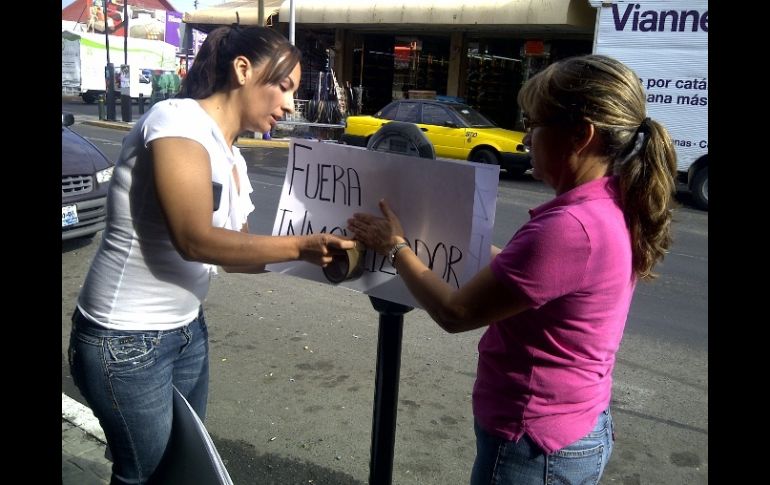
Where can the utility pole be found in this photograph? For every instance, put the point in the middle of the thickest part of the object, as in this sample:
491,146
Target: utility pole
109,71
291,22
125,32
125,71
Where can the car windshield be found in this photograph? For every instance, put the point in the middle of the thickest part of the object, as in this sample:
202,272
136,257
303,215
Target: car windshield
473,118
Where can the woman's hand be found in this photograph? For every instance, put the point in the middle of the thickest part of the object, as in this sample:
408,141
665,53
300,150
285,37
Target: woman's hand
320,248
377,233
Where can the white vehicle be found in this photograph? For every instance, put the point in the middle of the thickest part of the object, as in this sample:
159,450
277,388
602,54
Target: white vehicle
84,62
666,43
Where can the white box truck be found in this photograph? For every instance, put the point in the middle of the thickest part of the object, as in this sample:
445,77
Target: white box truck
84,59
666,43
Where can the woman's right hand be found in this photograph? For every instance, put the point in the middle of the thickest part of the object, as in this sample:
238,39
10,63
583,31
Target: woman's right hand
377,233
320,248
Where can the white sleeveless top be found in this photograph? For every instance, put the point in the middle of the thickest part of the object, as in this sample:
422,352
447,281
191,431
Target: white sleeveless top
138,280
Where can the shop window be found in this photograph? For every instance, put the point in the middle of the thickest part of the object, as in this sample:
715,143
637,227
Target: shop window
420,64
494,77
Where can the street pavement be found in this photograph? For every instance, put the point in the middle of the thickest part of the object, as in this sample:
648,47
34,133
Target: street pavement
681,439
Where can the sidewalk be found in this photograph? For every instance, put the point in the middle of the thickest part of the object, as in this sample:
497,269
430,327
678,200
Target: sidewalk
82,446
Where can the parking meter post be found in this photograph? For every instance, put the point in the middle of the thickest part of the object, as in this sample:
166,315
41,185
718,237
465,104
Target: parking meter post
407,139
386,389
125,108
141,103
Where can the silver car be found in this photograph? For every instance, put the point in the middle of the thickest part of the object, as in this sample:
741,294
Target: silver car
85,176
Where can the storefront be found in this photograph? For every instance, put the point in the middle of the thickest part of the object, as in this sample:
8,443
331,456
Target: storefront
478,51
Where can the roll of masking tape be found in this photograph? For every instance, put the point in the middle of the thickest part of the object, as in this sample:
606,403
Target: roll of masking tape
345,266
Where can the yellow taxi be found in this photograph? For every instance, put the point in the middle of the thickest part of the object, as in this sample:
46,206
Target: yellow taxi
456,131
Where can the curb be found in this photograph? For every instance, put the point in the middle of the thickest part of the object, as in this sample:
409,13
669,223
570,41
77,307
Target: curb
253,142
82,417
109,124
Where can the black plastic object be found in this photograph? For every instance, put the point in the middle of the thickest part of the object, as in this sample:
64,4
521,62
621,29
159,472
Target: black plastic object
216,188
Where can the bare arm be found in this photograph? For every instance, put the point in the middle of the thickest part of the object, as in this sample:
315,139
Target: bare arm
480,302
252,269
183,182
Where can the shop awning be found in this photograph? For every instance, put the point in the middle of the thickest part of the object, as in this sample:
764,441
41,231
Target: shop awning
245,12
577,14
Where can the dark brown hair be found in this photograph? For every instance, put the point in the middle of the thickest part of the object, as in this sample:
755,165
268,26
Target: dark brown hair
212,72
609,95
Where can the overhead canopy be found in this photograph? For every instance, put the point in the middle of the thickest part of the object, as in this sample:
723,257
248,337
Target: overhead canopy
244,12
567,15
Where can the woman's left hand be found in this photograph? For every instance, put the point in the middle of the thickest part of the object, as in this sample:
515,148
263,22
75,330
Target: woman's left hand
377,233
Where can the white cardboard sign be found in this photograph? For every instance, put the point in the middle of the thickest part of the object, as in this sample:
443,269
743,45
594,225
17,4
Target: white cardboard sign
446,207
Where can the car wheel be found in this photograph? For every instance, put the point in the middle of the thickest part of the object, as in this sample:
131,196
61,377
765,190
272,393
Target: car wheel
485,156
700,188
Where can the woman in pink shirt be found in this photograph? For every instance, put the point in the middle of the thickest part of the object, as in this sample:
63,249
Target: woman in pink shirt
556,298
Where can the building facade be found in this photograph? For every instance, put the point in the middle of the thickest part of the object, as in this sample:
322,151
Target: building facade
477,51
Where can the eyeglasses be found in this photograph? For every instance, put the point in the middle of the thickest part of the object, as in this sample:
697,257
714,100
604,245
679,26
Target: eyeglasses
530,124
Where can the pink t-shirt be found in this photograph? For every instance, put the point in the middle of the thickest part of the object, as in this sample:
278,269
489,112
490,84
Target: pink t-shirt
547,371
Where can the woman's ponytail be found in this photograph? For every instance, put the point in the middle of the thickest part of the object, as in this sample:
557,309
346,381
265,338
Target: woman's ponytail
647,186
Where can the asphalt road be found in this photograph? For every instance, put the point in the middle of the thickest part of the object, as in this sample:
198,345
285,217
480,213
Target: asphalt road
293,363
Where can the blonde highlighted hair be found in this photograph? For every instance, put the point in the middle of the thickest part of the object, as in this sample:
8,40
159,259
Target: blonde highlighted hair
608,94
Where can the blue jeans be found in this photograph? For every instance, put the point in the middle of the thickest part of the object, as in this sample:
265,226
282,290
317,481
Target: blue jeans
127,376
503,462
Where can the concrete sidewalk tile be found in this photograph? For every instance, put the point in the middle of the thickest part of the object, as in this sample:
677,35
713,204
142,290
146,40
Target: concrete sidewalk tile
82,458
82,417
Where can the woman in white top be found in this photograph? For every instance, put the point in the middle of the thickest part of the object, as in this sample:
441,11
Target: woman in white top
177,207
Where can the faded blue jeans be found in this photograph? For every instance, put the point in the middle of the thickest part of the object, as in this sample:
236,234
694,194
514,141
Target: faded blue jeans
503,462
127,376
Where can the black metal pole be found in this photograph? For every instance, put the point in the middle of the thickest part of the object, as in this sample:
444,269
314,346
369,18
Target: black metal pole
125,32
125,95
386,389
100,104
109,70
106,31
